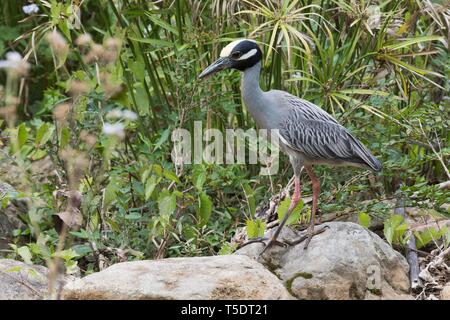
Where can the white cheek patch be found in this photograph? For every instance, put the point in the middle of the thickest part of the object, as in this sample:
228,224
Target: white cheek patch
249,54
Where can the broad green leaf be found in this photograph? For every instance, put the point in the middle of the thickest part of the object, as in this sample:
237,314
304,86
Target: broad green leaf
67,255
55,11
227,248
395,228
114,225
157,169
111,192
71,267
364,219
22,135
25,253
150,185
145,175
167,203
255,228
204,208
137,67
428,235
164,137
388,233
171,176
43,133
199,178
64,137
141,100
38,154
80,234
295,214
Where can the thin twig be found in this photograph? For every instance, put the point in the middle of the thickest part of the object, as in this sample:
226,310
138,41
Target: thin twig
411,254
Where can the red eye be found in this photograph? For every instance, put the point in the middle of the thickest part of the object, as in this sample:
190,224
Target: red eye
236,55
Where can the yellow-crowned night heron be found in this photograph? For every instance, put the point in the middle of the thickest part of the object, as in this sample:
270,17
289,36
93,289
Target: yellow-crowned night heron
308,134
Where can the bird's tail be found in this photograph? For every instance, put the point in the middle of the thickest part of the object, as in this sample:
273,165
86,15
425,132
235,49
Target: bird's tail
365,155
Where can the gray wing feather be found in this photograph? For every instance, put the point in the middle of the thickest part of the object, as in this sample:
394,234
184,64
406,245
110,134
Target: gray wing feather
320,140
315,133
305,110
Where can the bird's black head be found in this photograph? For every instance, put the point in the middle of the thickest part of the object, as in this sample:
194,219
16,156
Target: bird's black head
239,54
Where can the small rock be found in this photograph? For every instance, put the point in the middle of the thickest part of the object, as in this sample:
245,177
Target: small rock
346,261
20,281
217,277
445,293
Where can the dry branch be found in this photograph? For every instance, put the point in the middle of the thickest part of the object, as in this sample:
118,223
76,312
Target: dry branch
411,249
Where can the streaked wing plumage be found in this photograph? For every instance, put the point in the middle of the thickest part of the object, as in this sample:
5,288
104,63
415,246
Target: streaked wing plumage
318,136
305,110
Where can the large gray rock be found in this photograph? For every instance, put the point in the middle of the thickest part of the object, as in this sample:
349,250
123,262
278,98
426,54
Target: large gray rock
19,281
217,277
346,261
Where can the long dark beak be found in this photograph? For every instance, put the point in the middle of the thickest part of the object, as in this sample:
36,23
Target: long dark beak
218,65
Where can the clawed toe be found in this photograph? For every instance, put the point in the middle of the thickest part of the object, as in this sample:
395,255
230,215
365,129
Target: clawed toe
254,240
263,240
310,233
273,242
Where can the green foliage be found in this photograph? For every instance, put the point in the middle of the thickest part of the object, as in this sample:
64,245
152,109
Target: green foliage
395,229
364,219
430,234
25,253
295,214
381,68
226,248
204,209
255,228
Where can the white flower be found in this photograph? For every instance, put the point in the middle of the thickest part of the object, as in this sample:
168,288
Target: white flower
119,114
30,9
57,42
114,114
84,39
129,115
14,62
114,129
14,57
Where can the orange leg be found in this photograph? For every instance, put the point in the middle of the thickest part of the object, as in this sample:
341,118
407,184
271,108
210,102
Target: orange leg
295,199
316,191
273,240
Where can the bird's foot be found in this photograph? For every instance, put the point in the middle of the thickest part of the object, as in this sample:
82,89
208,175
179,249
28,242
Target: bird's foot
311,232
266,241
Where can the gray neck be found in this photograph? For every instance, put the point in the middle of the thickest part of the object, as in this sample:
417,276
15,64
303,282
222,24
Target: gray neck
250,81
254,98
